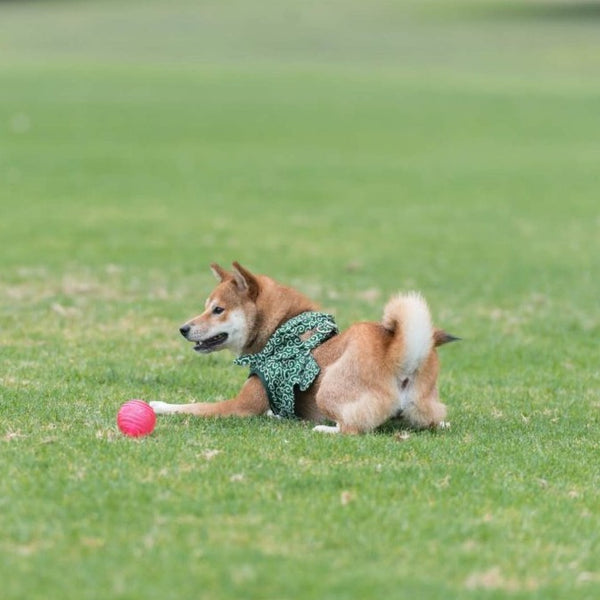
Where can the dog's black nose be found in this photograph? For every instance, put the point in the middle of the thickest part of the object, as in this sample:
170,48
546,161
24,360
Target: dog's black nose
185,329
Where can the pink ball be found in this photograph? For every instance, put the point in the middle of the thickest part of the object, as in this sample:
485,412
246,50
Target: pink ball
136,418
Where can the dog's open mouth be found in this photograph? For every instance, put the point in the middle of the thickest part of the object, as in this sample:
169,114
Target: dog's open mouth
211,343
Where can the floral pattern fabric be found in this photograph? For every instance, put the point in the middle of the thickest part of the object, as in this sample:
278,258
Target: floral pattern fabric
286,360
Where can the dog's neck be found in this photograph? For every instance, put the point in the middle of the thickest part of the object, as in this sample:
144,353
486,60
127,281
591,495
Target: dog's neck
276,304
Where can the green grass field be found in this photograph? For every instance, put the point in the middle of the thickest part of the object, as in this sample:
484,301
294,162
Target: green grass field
352,149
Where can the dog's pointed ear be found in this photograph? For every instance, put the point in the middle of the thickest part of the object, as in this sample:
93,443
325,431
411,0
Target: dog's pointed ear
245,281
440,337
219,272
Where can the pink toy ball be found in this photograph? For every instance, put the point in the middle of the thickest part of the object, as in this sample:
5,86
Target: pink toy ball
136,418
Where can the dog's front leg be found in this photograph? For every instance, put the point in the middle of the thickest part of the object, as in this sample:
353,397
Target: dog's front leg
251,401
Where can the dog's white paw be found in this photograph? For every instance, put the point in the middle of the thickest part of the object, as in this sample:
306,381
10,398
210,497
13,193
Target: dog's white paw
444,425
272,415
327,428
161,408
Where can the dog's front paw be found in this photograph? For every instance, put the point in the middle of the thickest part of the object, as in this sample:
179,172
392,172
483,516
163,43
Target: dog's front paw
160,408
272,415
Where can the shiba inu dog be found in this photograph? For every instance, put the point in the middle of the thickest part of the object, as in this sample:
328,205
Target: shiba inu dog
357,379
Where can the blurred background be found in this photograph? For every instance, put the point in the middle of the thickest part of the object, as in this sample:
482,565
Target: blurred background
352,148
440,144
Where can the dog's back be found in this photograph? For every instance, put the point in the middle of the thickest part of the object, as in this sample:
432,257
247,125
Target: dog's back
375,371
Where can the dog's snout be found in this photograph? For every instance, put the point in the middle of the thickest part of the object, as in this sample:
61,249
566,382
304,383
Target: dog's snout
184,330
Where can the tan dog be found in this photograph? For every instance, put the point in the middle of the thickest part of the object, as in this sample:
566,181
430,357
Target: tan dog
370,373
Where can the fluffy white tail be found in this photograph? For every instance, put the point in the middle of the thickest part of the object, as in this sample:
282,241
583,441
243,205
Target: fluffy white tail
407,316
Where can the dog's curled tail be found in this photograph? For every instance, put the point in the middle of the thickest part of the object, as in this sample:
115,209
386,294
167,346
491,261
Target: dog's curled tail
407,316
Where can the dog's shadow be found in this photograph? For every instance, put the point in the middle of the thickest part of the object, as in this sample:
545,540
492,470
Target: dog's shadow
401,429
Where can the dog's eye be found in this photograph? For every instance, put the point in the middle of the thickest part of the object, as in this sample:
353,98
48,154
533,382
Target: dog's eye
217,310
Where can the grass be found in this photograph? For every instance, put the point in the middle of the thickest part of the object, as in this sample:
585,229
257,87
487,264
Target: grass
351,151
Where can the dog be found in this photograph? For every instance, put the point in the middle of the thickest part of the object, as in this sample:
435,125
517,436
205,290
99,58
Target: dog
361,378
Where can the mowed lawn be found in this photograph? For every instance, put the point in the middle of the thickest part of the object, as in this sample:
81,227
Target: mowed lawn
352,150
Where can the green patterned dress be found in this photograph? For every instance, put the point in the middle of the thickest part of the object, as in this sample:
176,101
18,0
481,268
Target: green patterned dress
286,360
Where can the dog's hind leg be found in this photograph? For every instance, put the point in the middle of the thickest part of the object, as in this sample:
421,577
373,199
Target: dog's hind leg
354,403
339,428
251,401
327,428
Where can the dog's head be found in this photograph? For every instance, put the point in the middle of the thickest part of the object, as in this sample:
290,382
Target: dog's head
229,315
